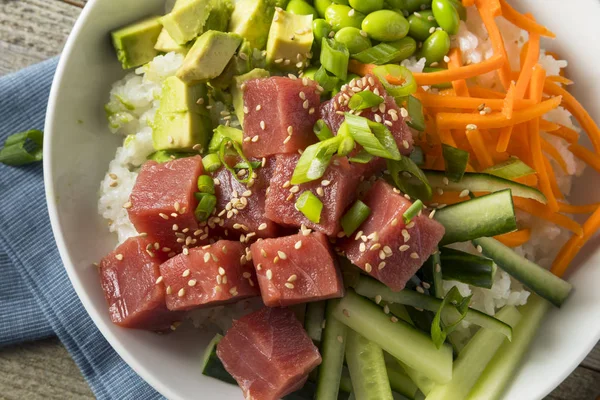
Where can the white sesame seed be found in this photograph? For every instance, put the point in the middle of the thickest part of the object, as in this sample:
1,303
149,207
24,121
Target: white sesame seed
410,225
420,289
119,257
394,319
405,144
381,265
386,309
282,255
269,274
431,214
325,183
181,292
163,216
464,193
262,125
368,267
479,249
298,244
404,247
206,257
362,247
186,273
169,290
306,104
414,255
378,299
471,127
446,59
159,280
320,191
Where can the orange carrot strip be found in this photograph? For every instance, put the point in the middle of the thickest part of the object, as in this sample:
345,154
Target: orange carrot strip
495,120
574,244
446,137
553,182
548,126
529,180
531,58
515,239
467,103
468,3
590,158
578,209
523,22
544,212
489,9
580,114
481,153
560,79
478,91
455,62
552,152
509,102
568,134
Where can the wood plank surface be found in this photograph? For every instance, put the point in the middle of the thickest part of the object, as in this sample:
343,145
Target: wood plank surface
32,31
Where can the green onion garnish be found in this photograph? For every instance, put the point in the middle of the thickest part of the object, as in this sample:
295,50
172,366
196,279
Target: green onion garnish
206,205
439,330
206,184
245,165
322,130
417,155
363,100
412,211
221,133
314,161
383,53
335,57
415,112
23,148
399,92
354,217
326,81
310,205
211,162
512,168
374,137
456,161
229,143
467,268
362,157
346,141
409,178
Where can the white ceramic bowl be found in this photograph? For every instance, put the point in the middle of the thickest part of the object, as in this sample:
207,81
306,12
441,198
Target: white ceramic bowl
76,157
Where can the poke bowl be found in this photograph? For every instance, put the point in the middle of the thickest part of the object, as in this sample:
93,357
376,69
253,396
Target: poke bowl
493,177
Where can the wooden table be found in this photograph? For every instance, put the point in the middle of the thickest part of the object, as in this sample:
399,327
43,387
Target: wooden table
32,31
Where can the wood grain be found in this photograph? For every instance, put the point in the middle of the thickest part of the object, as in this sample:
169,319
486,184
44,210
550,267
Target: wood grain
32,31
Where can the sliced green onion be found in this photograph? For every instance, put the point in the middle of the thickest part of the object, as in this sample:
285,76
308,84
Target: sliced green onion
206,205
412,211
23,148
206,184
409,178
228,143
445,85
456,161
163,156
365,99
467,268
386,52
511,169
211,162
362,157
335,57
374,137
346,142
399,92
310,205
415,112
314,160
322,130
354,217
439,330
245,165
326,81
221,133
417,156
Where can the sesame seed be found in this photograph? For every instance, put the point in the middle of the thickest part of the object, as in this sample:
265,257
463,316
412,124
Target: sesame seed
206,257
216,181
269,274
163,216
411,224
420,289
386,309
404,247
446,59
438,268
262,125
362,247
414,255
394,319
305,105
381,265
405,144
479,249
127,205
464,193
159,280
181,292
368,267
471,127
325,183
282,255
119,257
298,244
186,273
254,139
378,299
339,338
431,214
376,246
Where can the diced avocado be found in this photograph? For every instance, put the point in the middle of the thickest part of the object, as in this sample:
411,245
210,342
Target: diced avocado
135,43
181,122
208,57
166,44
290,40
238,93
218,19
187,19
251,20
242,62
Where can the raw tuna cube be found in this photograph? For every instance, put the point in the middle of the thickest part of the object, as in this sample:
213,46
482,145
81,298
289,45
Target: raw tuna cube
208,276
241,207
268,353
163,203
296,269
281,115
130,280
384,246
336,189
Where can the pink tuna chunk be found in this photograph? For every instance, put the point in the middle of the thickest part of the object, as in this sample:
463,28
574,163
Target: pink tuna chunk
338,186
393,251
268,353
163,199
208,276
281,115
296,269
129,275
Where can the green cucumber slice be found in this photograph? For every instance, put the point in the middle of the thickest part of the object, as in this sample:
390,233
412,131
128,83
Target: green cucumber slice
333,345
399,379
212,365
512,168
313,320
467,268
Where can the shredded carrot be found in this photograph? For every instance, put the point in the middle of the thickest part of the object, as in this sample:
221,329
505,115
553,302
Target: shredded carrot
515,239
465,72
578,209
447,198
544,212
480,91
455,62
531,58
481,153
488,10
553,182
523,22
468,3
509,102
495,120
467,103
560,79
548,126
568,134
590,158
552,152
580,114
574,244
529,180
446,137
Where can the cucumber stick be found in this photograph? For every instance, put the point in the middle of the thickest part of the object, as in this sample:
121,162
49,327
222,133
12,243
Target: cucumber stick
367,369
409,345
467,268
399,379
538,279
333,345
473,359
313,320
212,365
480,182
484,216
499,372
370,288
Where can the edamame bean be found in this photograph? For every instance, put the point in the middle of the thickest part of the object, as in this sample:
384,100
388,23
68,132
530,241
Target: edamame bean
446,15
321,6
385,25
300,7
366,6
462,10
407,47
416,5
343,2
340,16
321,29
422,24
353,39
435,47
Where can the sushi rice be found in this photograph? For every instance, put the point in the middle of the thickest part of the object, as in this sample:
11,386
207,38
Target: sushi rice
136,99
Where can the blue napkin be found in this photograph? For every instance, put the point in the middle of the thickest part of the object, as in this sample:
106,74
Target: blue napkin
36,296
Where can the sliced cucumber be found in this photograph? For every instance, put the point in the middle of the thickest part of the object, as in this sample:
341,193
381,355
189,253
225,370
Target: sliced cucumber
480,182
399,379
333,345
409,345
500,370
313,320
432,272
536,278
512,168
467,268
367,369
371,288
473,359
484,216
212,365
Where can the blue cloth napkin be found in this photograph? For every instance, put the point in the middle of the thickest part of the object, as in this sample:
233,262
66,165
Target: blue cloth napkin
36,296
